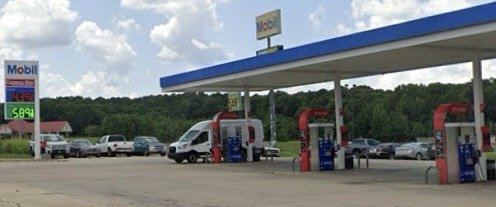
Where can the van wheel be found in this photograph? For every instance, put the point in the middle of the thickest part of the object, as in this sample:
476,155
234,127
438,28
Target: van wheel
418,156
179,161
192,157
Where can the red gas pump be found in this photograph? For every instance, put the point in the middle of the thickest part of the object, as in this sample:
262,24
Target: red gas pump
486,139
344,136
216,142
438,124
442,148
305,115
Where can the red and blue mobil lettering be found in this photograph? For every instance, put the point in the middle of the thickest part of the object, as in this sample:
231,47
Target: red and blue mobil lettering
267,24
22,69
19,94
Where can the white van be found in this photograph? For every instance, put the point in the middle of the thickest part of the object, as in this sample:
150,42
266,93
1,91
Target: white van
197,141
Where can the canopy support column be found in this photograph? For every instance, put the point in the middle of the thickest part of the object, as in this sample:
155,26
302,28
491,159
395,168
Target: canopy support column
478,113
272,109
339,121
249,145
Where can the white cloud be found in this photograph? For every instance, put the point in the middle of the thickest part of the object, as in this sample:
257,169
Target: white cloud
317,17
36,23
128,24
189,22
92,84
105,46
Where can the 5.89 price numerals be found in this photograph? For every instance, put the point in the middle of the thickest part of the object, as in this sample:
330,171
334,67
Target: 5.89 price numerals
23,112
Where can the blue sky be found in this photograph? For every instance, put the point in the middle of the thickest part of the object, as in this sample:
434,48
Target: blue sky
113,48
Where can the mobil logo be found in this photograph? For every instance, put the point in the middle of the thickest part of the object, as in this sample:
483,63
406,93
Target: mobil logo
267,24
14,69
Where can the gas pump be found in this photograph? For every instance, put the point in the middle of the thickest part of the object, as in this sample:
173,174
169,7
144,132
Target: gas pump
455,145
317,149
216,141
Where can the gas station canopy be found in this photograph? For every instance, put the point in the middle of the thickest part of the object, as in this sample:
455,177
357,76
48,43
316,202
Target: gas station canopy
455,37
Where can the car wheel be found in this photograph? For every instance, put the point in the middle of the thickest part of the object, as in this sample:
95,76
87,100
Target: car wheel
391,156
78,154
97,155
418,156
146,153
356,153
31,152
179,161
162,154
128,154
192,157
52,156
66,156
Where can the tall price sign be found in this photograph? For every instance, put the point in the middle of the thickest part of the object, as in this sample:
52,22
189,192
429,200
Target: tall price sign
21,79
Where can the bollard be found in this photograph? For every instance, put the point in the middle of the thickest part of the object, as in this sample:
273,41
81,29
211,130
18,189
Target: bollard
366,160
427,174
358,161
294,163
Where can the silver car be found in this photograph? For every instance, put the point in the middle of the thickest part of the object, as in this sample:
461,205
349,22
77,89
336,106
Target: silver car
418,151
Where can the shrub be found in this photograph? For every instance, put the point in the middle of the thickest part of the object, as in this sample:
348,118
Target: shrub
14,146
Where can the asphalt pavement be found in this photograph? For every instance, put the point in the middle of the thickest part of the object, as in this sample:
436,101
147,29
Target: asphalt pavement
157,181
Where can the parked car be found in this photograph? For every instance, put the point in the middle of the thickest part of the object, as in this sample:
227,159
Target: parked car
111,145
418,151
271,151
384,150
52,144
144,145
83,148
360,146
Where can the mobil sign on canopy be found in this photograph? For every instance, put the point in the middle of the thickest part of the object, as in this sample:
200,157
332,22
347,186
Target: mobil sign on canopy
269,24
21,78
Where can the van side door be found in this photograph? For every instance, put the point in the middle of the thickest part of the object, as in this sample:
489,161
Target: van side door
202,142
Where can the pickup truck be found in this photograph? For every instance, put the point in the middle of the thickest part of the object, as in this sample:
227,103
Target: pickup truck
52,144
361,146
111,145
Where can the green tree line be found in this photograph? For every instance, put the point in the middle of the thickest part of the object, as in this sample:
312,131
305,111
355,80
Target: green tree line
388,115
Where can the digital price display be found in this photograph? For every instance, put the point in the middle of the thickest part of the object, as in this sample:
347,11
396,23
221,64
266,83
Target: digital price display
17,94
20,111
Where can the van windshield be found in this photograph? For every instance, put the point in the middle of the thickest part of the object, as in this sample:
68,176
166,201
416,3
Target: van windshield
188,136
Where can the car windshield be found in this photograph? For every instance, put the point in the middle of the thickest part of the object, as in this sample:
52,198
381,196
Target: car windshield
373,142
410,145
53,138
188,136
116,138
85,142
151,140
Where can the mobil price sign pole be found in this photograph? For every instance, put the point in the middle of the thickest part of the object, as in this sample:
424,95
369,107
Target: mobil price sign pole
22,95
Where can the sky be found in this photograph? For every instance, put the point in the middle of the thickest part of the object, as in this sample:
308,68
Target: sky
121,48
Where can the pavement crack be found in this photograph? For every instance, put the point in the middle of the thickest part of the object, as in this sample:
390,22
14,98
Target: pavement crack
10,202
